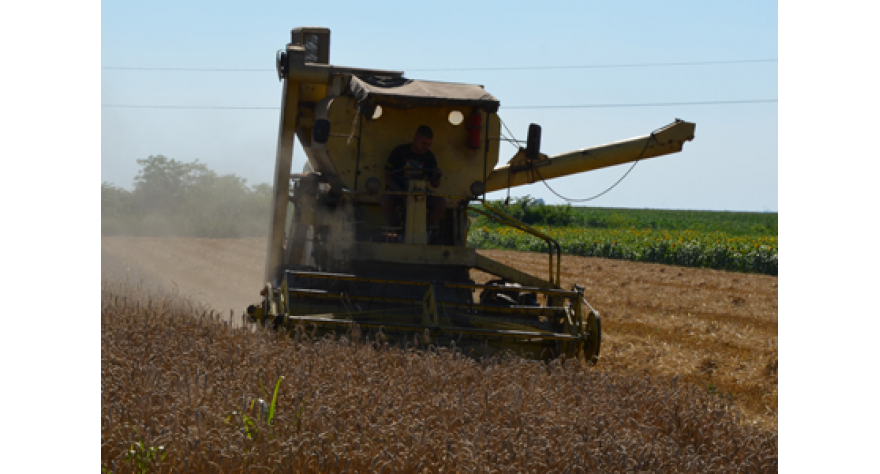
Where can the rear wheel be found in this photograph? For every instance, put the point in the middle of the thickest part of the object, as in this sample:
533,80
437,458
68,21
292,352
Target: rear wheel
594,338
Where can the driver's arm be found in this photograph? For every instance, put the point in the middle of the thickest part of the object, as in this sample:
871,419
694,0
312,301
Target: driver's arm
390,181
438,173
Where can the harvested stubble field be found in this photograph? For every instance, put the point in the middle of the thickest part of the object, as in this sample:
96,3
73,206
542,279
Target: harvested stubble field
686,380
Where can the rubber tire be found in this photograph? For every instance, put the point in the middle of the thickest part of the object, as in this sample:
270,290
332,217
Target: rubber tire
594,343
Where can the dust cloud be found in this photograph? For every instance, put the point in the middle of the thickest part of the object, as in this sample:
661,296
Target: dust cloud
223,274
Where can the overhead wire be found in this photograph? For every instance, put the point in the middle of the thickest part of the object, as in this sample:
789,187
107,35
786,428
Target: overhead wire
512,140
514,107
184,107
183,69
463,69
597,66
644,104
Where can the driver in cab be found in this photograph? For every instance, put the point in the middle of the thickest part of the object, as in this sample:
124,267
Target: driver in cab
412,160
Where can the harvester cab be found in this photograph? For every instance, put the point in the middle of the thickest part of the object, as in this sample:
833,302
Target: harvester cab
333,260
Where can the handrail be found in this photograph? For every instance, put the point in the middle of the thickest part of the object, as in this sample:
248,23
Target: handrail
505,219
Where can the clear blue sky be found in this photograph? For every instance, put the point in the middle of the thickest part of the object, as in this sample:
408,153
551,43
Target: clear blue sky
731,165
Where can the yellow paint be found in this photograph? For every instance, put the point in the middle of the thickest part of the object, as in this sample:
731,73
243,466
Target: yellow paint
461,165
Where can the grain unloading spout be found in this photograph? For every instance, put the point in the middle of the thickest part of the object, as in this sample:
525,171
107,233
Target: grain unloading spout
520,170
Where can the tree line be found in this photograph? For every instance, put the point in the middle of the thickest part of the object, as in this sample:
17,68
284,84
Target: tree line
176,198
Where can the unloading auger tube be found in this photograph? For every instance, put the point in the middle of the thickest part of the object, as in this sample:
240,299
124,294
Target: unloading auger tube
333,263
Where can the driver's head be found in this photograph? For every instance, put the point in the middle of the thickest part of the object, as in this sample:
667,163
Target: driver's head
422,140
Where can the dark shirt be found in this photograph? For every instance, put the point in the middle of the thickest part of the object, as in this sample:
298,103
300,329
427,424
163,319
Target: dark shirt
403,158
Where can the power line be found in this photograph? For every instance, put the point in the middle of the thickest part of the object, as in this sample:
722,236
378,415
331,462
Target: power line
521,107
183,69
462,69
655,104
602,66
186,107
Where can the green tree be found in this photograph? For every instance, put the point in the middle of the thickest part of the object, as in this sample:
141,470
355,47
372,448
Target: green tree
163,183
172,197
530,211
115,200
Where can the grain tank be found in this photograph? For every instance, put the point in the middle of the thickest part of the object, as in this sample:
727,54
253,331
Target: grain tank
334,262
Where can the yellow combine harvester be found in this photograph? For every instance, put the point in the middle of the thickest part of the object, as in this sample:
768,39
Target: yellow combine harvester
337,257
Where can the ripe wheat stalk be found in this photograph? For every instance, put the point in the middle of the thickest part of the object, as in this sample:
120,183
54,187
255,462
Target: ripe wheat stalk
186,390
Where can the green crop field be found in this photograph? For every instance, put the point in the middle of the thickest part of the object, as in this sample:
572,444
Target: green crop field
734,241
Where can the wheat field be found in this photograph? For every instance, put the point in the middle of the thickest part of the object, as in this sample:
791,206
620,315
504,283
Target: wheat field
686,380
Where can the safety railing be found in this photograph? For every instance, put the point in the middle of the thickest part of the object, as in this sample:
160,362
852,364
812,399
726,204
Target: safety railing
510,221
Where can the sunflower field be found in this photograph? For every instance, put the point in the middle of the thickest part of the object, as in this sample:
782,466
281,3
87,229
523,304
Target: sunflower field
690,248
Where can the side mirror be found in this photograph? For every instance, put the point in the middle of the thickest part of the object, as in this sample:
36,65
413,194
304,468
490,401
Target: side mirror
281,64
533,144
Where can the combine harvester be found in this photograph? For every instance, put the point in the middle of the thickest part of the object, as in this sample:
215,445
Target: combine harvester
333,261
